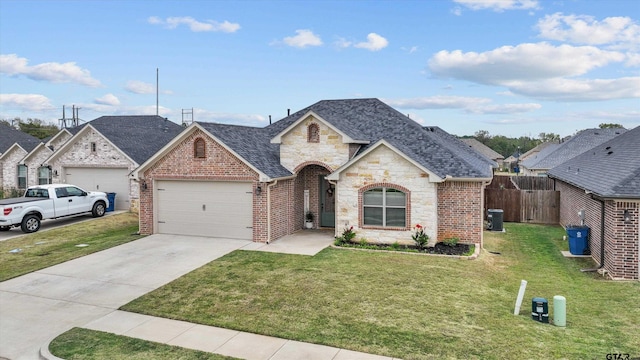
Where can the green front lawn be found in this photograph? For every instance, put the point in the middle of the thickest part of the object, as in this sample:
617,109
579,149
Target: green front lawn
97,345
414,307
46,248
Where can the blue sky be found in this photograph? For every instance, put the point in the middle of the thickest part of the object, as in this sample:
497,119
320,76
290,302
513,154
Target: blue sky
511,67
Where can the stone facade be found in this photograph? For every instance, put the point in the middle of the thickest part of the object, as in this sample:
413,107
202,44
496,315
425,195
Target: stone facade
80,154
295,149
621,239
10,162
34,162
383,167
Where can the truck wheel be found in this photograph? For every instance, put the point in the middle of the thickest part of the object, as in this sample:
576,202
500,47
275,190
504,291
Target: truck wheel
98,209
30,224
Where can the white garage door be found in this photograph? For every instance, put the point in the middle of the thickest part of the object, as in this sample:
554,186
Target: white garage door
102,179
205,208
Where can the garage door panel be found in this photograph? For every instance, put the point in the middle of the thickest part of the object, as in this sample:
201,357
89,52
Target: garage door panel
216,209
102,179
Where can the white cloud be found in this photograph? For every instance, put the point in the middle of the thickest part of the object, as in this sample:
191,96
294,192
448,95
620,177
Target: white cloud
410,50
505,108
229,118
498,5
52,71
580,90
302,39
343,43
29,102
374,42
473,105
525,62
438,102
139,87
108,99
621,32
633,59
195,25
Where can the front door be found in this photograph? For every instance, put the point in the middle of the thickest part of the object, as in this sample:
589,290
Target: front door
327,198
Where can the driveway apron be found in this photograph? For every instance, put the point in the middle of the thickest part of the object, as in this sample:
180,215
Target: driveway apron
43,304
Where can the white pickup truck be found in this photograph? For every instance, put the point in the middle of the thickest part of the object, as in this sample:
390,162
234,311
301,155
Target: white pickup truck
49,202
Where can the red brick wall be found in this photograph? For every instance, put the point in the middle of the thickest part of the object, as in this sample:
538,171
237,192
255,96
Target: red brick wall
573,200
218,165
308,179
282,209
620,238
460,211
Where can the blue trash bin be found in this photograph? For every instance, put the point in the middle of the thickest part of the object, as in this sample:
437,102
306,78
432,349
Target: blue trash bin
578,240
112,201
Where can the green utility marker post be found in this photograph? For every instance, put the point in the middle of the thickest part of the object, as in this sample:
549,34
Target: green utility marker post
559,311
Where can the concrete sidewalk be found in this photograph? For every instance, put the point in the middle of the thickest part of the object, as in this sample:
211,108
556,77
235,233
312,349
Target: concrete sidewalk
215,340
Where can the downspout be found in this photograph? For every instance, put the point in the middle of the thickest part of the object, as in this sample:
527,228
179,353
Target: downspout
601,236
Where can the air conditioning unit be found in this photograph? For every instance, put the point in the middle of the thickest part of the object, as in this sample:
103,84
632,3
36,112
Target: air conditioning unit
494,219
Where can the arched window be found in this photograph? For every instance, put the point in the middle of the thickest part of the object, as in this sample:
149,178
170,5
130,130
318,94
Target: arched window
383,206
313,133
199,149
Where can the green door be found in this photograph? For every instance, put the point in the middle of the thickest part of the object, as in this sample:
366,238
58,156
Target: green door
327,198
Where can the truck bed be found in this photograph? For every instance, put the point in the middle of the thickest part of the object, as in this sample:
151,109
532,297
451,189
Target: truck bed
20,200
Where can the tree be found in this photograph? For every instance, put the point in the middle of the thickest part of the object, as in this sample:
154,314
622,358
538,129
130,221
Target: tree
546,137
482,136
610,126
37,128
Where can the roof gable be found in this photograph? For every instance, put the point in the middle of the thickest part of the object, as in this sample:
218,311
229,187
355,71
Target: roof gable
483,149
277,139
10,136
611,169
371,120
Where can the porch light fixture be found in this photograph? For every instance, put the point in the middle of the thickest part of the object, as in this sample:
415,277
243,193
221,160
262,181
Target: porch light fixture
258,190
627,216
330,190
144,185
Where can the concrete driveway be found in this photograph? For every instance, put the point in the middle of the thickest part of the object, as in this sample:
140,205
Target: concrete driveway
41,305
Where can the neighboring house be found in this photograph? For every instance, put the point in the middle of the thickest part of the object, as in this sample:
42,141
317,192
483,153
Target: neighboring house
14,145
38,173
102,153
513,160
553,156
604,182
486,151
350,163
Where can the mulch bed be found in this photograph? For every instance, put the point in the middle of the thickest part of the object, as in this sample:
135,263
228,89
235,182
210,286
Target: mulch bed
440,248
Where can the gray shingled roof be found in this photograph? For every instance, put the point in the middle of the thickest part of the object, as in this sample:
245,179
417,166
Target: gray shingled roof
252,144
584,140
610,170
138,136
10,136
363,120
483,149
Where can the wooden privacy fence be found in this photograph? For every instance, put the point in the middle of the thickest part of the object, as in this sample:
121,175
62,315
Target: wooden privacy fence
528,199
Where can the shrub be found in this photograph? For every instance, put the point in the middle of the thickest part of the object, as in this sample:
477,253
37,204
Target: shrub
347,235
453,241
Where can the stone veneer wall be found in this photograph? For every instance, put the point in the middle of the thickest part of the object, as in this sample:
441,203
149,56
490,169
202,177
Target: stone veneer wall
218,165
384,167
621,240
79,155
295,150
460,211
10,168
33,164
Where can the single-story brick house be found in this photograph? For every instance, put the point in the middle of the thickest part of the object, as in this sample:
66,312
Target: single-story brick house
14,145
604,182
485,150
352,162
102,153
